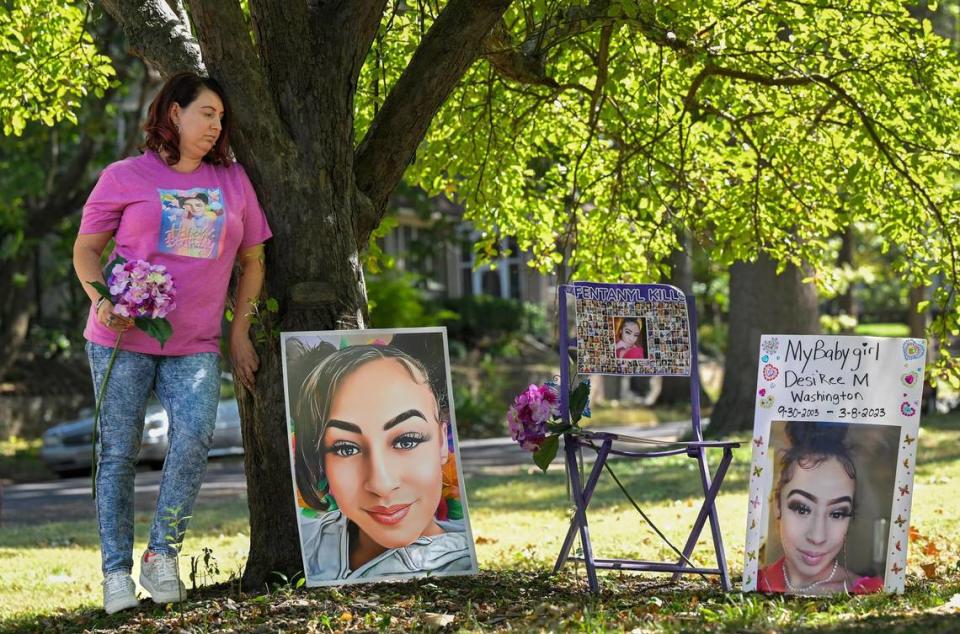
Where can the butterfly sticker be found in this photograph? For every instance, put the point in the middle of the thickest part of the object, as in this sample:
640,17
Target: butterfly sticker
898,546
758,442
896,568
748,581
755,502
909,440
752,555
900,521
757,470
905,489
753,524
906,463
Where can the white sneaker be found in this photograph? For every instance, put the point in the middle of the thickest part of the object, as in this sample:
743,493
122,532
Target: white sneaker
158,576
119,593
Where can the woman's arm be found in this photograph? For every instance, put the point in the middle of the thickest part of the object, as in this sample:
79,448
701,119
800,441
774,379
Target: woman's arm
86,261
244,357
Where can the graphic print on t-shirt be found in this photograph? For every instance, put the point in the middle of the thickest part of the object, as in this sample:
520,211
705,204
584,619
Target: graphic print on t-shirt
192,222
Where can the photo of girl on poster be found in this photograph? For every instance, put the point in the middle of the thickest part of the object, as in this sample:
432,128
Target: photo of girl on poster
629,338
829,508
374,460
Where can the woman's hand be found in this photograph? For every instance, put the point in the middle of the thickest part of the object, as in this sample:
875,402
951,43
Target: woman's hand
116,323
244,357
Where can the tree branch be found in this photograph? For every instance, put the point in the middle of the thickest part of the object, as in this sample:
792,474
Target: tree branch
446,51
352,23
157,35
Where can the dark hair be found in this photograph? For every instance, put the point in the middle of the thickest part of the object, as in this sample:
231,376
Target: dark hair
183,89
311,403
623,323
812,444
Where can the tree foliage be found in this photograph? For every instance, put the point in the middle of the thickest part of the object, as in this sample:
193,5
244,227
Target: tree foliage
596,129
48,62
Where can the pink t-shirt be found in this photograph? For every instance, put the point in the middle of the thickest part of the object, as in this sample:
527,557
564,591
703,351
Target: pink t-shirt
194,224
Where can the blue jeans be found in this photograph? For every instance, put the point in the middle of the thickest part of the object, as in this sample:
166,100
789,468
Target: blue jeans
189,389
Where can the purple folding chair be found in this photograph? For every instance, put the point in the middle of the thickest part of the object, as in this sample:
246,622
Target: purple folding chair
664,323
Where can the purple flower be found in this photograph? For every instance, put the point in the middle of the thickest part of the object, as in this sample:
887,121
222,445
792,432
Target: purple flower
529,414
140,289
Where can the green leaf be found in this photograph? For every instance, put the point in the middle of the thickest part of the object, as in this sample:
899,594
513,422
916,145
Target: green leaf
102,289
578,401
272,305
158,328
547,452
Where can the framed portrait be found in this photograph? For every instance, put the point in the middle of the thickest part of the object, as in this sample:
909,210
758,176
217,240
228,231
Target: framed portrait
631,329
374,456
834,445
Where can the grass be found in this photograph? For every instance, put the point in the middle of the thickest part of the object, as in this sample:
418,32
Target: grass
49,574
883,330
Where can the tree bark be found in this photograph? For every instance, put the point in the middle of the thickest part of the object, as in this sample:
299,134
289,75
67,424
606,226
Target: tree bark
761,302
677,389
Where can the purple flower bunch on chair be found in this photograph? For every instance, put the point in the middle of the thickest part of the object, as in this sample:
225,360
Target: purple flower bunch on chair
531,411
535,419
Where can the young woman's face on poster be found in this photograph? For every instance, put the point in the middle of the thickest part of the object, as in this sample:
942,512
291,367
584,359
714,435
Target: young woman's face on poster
816,506
630,332
384,453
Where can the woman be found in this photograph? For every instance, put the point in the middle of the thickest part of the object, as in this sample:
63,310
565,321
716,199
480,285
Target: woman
815,499
186,150
628,334
371,452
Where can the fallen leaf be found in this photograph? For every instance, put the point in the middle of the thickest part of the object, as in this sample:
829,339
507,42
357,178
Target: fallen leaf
486,540
432,619
931,549
346,617
930,570
915,534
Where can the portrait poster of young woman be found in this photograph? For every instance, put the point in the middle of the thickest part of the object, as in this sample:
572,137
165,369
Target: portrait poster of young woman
829,508
374,456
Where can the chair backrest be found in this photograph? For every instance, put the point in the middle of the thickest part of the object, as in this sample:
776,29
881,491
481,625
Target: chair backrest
630,330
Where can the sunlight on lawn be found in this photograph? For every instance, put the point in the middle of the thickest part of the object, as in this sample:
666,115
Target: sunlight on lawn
518,520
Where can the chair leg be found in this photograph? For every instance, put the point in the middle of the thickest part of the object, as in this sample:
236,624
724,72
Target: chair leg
581,498
708,511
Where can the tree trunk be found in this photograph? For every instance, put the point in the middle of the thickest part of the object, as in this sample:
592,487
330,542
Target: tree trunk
677,389
16,306
313,270
846,301
761,302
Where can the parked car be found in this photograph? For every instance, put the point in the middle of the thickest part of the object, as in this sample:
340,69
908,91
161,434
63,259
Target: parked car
66,447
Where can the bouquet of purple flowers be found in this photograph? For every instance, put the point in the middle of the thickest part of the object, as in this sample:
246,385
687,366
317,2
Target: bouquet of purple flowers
144,292
535,421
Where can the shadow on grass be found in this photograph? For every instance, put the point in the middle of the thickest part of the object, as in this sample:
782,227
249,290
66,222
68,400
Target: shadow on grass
526,601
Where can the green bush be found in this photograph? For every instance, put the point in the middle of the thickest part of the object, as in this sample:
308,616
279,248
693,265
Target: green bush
396,300
486,321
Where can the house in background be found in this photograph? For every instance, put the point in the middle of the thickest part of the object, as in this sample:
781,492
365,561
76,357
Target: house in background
446,261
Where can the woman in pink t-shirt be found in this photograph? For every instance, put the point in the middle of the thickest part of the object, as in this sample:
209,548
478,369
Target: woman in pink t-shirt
185,204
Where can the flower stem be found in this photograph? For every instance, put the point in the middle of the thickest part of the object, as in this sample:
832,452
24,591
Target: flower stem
96,418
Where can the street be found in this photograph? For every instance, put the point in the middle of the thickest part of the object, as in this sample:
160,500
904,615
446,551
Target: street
69,499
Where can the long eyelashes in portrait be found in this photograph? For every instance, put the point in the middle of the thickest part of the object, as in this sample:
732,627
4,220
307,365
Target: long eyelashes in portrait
405,441
801,508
